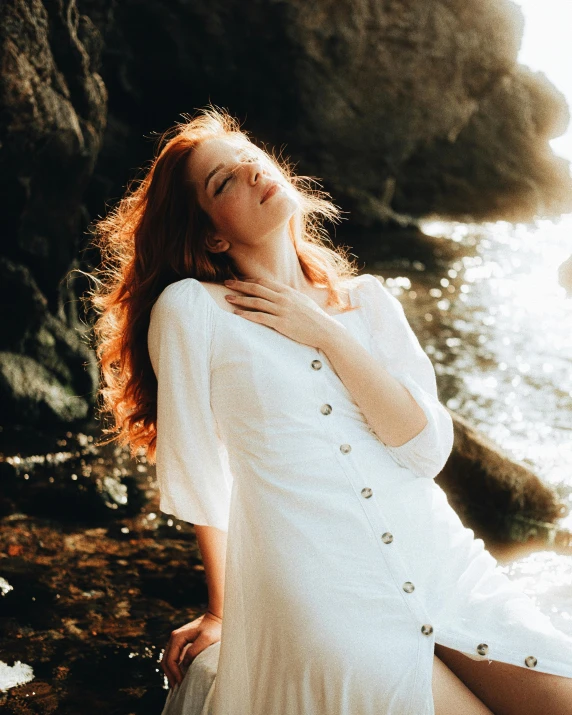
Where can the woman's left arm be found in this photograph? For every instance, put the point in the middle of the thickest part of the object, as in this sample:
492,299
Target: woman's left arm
394,386
387,405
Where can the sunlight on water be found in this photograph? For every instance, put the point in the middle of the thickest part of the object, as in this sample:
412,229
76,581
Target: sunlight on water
511,356
17,674
5,587
515,353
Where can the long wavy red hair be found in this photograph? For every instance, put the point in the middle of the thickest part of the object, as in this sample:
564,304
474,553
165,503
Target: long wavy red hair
154,236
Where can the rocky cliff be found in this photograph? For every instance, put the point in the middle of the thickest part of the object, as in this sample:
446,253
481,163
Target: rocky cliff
402,107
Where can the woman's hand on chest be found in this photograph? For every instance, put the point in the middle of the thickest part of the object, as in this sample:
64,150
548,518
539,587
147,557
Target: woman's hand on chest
285,309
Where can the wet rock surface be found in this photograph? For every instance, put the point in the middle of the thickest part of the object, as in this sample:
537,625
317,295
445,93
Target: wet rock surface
501,499
90,594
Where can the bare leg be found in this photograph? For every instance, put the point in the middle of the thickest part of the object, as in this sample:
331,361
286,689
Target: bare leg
509,689
451,696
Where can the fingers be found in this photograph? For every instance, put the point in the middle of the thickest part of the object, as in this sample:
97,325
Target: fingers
260,304
202,642
187,658
258,287
185,644
172,656
171,670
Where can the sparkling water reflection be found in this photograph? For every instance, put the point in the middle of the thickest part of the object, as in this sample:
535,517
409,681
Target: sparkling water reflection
508,353
13,675
514,354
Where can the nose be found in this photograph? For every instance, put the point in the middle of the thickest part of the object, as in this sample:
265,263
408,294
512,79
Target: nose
254,171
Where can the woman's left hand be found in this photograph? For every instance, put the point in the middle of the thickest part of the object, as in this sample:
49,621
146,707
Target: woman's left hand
282,308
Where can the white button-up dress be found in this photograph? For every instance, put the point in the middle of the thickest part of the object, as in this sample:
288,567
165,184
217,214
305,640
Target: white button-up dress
345,562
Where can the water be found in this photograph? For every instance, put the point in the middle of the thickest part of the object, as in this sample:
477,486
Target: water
514,357
14,675
497,327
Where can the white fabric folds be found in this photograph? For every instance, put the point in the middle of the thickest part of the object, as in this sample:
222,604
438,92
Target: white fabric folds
345,562
194,477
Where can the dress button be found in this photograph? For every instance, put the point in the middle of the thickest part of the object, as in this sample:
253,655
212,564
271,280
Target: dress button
426,629
482,649
366,492
316,364
408,587
530,661
387,538
345,448
325,409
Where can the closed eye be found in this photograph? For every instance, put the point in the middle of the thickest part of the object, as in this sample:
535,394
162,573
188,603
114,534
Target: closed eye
248,159
223,184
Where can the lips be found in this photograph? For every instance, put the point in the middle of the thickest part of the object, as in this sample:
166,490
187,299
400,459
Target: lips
270,191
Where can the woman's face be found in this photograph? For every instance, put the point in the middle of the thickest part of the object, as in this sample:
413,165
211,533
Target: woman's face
232,178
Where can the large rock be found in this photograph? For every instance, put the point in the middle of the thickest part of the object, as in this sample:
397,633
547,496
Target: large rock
51,124
405,108
47,371
496,495
414,106
500,166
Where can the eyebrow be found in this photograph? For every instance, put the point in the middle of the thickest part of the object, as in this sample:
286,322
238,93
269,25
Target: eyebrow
242,151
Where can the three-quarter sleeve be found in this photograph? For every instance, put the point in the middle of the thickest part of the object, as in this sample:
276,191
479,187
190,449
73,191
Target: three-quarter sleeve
195,481
396,346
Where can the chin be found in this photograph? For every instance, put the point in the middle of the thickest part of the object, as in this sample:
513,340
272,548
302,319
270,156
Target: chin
288,203
280,218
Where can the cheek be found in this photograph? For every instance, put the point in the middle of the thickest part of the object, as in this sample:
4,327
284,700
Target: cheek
233,212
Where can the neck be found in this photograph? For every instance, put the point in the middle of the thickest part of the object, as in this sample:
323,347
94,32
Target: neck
274,258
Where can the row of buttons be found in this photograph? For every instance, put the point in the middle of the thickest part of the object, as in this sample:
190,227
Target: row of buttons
367,492
482,649
387,538
327,409
530,661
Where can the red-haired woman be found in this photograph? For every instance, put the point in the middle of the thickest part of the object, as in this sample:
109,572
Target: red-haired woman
288,405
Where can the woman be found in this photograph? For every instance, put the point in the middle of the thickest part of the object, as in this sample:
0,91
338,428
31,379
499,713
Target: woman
289,405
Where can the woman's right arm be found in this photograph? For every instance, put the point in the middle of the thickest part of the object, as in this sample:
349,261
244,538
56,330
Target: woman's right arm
206,629
212,544
193,472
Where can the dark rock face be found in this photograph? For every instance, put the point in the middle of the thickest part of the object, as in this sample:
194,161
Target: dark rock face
52,120
402,107
43,361
406,105
500,166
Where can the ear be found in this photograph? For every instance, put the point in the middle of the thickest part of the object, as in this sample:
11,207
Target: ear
215,244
